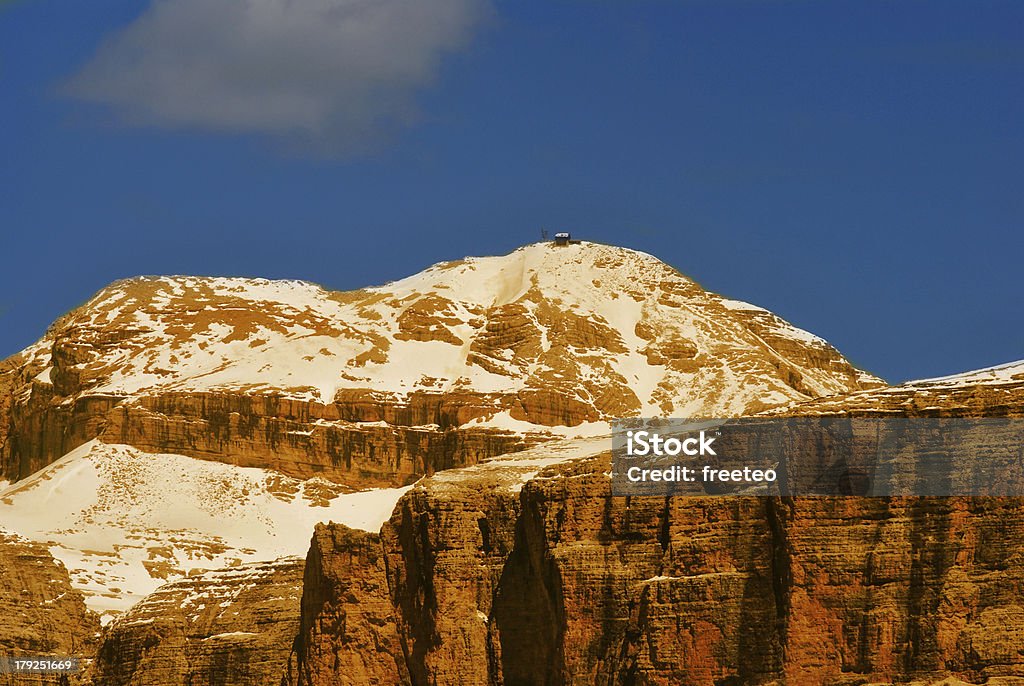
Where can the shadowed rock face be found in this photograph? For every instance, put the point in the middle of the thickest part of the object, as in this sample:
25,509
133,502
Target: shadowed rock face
230,626
500,576
40,614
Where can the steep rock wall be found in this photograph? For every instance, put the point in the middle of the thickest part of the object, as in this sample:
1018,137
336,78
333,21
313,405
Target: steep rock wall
573,586
348,633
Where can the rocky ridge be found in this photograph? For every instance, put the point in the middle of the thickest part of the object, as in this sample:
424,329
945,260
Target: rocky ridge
990,392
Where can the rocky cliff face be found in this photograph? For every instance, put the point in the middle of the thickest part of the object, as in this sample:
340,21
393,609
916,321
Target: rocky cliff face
364,440
524,570
229,626
40,613
349,633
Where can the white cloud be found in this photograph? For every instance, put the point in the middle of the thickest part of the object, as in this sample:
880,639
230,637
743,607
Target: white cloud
331,72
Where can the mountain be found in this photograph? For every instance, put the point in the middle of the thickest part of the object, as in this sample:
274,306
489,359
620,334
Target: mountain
173,444
173,424
546,336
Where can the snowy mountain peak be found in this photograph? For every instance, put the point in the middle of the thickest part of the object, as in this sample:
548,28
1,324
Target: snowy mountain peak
561,334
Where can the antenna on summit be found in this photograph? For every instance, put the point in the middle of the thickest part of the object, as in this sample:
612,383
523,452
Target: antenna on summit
543,234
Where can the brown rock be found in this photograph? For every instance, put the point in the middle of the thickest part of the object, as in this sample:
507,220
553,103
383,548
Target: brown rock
40,614
446,549
228,626
429,319
344,441
348,633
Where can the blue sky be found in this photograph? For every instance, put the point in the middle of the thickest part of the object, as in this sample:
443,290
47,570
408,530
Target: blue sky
854,166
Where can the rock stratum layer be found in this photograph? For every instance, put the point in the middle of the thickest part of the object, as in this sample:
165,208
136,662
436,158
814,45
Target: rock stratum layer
525,570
